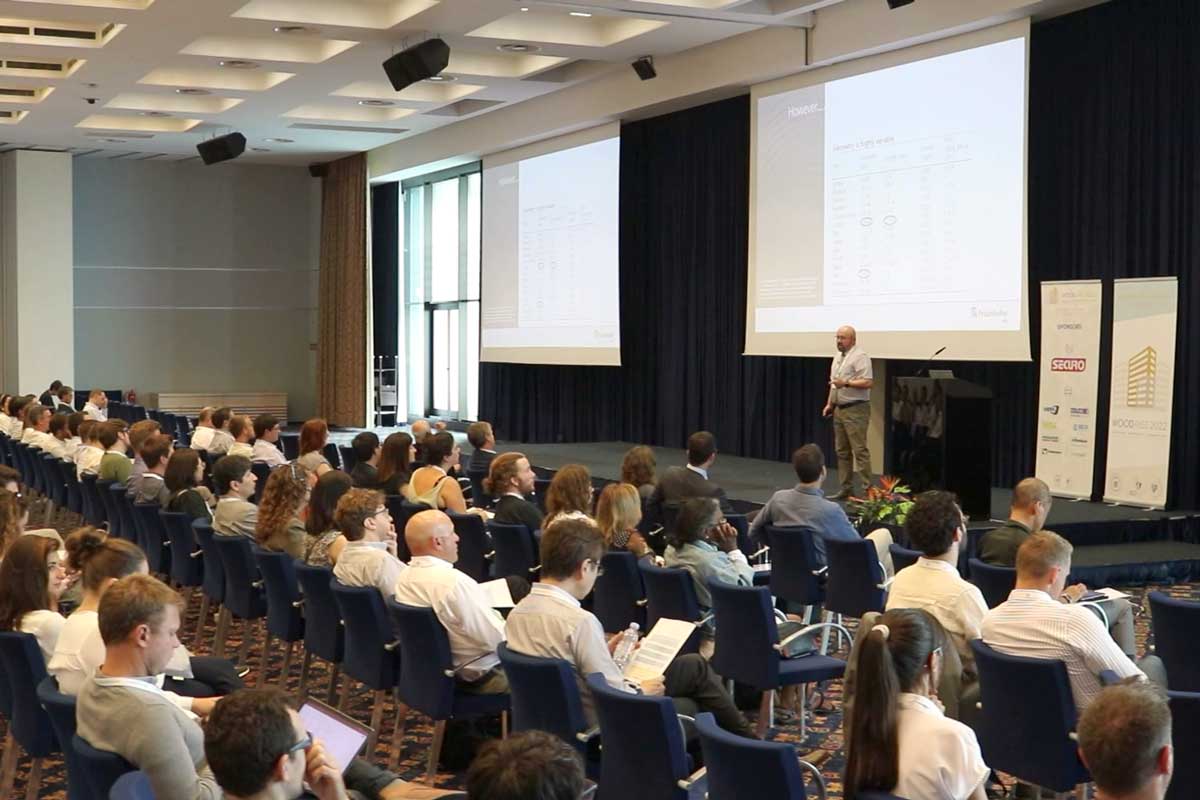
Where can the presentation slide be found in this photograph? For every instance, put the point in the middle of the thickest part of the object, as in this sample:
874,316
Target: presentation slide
894,201
550,252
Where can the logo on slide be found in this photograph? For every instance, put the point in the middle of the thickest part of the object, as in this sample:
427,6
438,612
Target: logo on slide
1051,409
1139,386
1068,365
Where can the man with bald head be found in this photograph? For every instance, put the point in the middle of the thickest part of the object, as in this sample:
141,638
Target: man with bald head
474,628
849,403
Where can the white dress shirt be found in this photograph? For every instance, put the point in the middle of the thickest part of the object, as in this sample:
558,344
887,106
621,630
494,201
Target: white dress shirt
14,428
267,453
45,625
241,449
365,563
852,365
474,628
701,471
71,447
48,444
936,587
549,623
5,423
202,437
87,460
220,443
939,758
29,435
1033,624
94,412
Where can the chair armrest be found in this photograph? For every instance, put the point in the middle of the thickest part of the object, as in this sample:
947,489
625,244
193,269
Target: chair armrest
197,554
687,783
535,568
1098,609
166,542
821,571
1073,736
816,773
779,615
490,555
589,734
760,551
1108,677
816,626
703,620
641,603
258,584
298,603
886,583
392,645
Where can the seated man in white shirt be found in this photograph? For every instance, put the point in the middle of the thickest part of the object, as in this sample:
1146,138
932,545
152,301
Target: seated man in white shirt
59,437
37,424
89,453
235,515
1033,623
96,407
936,527
474,628
369,557
266,434
72,443
550,623
1125,741
221,438
242,431
202,435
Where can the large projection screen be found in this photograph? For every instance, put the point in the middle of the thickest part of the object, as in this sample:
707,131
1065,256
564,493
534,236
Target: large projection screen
889,193
550,251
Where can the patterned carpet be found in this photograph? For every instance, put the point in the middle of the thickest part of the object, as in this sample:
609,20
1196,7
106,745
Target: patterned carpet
824,730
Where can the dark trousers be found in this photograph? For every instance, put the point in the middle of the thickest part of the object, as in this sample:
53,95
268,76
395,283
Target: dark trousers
212,677
691,678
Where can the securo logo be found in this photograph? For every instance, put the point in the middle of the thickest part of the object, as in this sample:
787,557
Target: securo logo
1068,365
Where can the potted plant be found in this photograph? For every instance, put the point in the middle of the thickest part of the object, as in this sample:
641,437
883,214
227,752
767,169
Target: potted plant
885,506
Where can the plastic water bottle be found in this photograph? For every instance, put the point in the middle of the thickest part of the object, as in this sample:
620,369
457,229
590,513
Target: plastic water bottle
625,647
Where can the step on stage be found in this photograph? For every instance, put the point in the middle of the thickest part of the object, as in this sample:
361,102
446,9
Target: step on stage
1118,545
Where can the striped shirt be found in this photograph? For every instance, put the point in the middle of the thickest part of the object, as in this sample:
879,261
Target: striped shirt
1033,624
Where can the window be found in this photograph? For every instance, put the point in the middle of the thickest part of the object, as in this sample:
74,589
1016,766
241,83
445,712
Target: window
440,333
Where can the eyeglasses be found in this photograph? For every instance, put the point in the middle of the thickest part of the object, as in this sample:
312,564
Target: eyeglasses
599,568
303,744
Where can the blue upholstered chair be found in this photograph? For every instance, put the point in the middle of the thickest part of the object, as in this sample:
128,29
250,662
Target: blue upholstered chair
903,557
1031,696
94,509
856,581
25,668
796,575
213,586
475,551
109,501
284,619
1185,736
132,786
101,768
670,594
994,582
516,550
427,683
244,595
187,559
61,710
1177,640
745,769
372,650
156,542
324,635
619,597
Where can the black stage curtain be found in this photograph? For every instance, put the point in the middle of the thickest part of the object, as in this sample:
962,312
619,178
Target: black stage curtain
1114,192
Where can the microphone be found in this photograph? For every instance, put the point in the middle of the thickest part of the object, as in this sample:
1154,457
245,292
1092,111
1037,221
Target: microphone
929,361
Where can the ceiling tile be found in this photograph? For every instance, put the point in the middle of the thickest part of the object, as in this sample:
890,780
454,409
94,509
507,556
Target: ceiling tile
237,80
375,14
489,65
563,27
12,65
349,113
424,92
130,5
24,94
120,122
299,49
57,33
173,103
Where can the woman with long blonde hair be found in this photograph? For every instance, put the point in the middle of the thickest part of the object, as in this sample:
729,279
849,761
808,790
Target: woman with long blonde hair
618,512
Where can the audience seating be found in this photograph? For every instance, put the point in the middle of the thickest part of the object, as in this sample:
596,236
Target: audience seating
244,595
475,552
1185,736
24,669
261,471
479,497
372,651
744,769
8,760
291,445
994,583
156,542
284,620
402,511
132,786
427,682
903,557
324,634
108,497
124,509
619,597
1027,724
101,768
747,648
516,550
213,586
61,710
1175,625
671,594
794,574
95,512
856,580
346,454
540,487
187,565
545,697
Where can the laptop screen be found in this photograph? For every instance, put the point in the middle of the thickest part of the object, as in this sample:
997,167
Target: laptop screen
342,736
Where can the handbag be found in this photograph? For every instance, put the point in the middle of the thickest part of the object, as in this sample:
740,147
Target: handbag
793,643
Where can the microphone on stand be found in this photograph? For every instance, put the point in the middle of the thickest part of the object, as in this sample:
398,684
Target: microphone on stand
929,361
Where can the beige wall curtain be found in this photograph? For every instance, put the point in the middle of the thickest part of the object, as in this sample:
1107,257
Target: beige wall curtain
342,339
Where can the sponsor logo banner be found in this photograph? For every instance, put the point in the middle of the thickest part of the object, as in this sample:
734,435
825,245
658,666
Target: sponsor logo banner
1069,385
1143,382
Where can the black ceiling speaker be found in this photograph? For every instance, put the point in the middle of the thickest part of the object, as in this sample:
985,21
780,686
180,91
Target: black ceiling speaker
417,63
894,4
222,148
644,67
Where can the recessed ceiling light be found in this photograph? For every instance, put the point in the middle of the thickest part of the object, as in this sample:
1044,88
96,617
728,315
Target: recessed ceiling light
524,8
190,91
155,114
236,63
279,140
579,13
376,103
518,47
292,29
442,78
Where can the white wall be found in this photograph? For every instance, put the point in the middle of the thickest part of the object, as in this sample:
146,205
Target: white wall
191,278
35,229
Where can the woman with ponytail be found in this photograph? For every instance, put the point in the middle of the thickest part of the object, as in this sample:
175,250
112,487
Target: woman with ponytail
898,738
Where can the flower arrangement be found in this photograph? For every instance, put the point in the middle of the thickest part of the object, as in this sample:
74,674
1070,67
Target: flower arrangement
885,504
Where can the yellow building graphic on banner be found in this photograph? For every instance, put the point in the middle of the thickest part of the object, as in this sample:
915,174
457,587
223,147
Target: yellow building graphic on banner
1143,371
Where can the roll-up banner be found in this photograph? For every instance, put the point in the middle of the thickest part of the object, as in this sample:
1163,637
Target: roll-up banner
1143,382
1068,386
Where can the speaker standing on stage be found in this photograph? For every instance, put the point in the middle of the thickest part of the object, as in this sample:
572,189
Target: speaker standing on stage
850,382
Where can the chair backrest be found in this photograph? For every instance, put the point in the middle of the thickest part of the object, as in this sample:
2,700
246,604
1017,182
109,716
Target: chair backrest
324,635
283,591
132,786
291,445
619,597
109,501
94,508
61,710
101,768
25,668
746,635
644,756
793,562
124,506
74,488
262,471
855,575
187,569
402,511
372,655
154,536
995,583
1177,640
1185,736
903,557
746,769
214,571
425,660
243,599
474,546
479,497
545,695
670,593
349,460
330,451
56,478
540,487
1032,696
514,546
